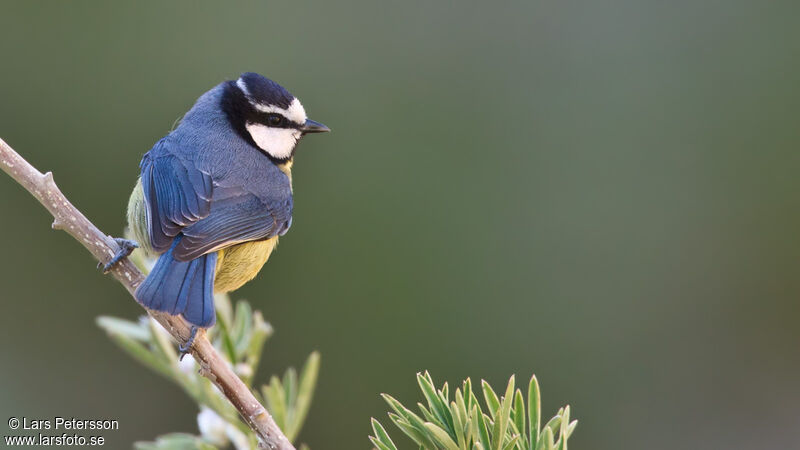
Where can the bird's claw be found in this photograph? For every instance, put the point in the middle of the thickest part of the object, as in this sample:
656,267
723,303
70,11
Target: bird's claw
126,246
184,349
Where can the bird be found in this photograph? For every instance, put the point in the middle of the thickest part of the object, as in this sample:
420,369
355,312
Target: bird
214,195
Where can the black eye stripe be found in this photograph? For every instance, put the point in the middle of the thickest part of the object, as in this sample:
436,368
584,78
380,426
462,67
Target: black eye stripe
273,120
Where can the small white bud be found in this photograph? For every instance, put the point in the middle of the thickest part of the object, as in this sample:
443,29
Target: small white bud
212,427
187,364
243,370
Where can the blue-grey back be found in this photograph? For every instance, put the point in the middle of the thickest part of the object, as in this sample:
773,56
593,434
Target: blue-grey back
206,138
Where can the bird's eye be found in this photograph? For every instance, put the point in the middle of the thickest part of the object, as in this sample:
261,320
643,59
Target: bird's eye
274,120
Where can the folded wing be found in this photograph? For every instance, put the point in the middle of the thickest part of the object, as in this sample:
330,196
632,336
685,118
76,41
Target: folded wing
176,194
182,200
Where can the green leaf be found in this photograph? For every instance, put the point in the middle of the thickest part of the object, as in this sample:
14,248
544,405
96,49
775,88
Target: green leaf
473,426
483,430
503,415
571,427
518,413
115,326
441,436
426,414
227,342
409,422
142,354
444,393
466,390
305,391
406,414
534,411
511,443
290,391
242,328
378,444
262,330
435,403
492,402
554,424
546,440
460,407
382,436
562,438
458,425
420,436
276,400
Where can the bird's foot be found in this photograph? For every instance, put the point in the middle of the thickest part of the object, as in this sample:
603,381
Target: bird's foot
184,349
126,246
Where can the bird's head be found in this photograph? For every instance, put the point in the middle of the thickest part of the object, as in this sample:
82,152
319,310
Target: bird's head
267,115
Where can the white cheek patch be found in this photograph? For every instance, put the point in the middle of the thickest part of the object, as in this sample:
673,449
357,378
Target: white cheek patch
278,142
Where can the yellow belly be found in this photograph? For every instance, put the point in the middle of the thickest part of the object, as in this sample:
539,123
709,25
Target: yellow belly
240,263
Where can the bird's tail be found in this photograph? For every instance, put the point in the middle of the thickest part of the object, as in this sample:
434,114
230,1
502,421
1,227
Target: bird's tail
181,287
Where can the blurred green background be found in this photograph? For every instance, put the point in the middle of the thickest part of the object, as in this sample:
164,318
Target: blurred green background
603,193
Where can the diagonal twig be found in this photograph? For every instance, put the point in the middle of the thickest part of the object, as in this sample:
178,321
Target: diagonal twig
68,218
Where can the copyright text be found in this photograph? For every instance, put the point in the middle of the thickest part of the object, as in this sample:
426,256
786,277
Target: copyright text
65,425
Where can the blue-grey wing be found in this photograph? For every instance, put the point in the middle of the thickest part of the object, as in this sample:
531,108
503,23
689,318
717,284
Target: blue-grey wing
176,194
239,216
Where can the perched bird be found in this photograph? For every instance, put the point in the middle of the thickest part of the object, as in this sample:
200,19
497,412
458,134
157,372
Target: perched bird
215,194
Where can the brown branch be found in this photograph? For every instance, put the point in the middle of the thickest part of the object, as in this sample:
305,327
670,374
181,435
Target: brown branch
103,247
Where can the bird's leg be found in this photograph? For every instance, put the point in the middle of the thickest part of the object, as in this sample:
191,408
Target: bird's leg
188,345
126,246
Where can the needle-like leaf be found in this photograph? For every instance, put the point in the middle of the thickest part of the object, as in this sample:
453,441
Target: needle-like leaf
492,402
502,417
534,411
508,426
381,436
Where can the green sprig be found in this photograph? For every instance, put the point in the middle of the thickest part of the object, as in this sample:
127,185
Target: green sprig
509,423
240,337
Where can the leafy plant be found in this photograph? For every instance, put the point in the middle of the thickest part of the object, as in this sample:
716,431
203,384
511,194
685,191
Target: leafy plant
507,422
239,336
461,424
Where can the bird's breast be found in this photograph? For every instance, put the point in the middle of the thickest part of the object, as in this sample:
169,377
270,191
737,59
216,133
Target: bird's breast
240,263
